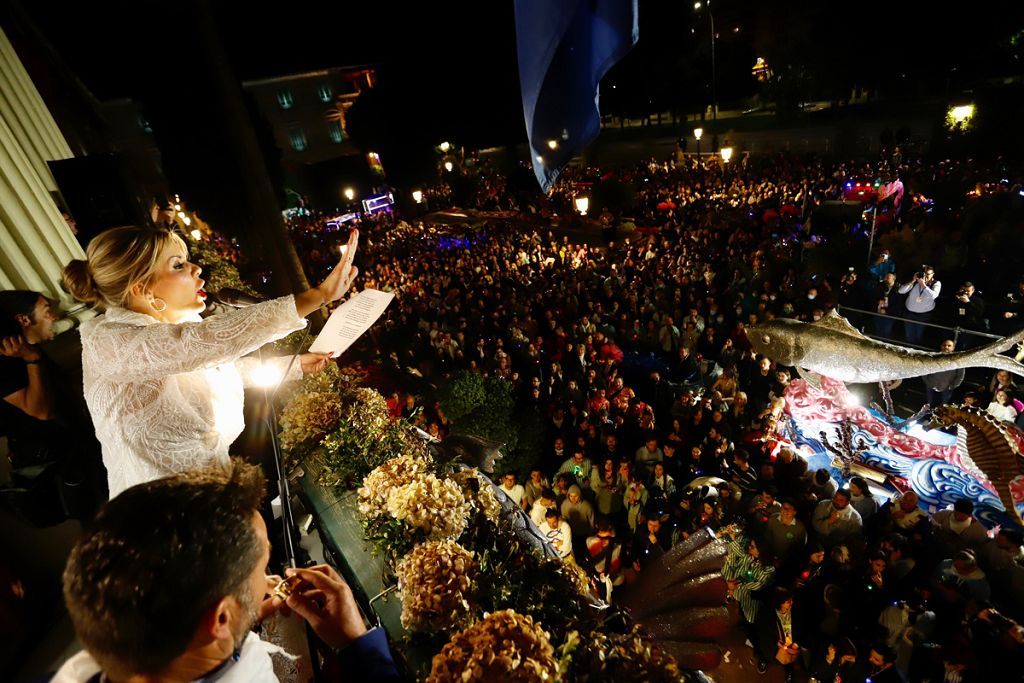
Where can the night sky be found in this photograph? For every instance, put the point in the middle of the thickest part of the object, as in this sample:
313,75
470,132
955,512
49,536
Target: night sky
448,70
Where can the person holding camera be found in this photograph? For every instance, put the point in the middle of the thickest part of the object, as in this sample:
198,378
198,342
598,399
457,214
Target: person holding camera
969,314
921,291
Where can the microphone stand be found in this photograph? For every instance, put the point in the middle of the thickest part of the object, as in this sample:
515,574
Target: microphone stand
283,489
284,492
288,526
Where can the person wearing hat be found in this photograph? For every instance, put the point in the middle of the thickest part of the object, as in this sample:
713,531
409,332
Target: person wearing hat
957,529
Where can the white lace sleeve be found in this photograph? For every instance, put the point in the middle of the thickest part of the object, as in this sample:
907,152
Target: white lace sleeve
129,353
247,366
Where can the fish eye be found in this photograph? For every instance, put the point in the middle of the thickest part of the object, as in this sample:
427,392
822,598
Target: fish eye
766,338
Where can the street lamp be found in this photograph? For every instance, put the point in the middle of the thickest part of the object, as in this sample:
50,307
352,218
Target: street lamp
714,87
552,144
445,146
726,154
448,166
196,235
582,204
417,196
350,194
698,133
960,118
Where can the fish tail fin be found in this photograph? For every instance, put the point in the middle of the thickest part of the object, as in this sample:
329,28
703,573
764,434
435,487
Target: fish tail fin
989,356
999,362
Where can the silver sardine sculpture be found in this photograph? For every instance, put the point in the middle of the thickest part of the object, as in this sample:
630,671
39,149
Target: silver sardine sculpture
834,348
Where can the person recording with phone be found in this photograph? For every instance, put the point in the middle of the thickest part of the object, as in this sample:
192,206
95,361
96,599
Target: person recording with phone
921,291
164,386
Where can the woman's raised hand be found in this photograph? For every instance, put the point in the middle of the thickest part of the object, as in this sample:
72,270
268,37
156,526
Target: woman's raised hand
341,278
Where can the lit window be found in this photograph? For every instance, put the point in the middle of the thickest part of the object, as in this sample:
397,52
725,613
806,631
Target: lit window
284,98
334,130
298,139
324,91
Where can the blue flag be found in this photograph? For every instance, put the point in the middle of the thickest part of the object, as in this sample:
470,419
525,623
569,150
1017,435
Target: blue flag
565,47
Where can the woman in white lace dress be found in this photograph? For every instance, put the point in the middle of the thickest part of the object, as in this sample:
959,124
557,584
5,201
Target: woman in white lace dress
163,385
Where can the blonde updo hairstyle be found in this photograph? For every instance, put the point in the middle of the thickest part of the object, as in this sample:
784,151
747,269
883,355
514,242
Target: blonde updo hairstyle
115,261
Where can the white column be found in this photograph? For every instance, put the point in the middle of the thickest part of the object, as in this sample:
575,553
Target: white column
35,241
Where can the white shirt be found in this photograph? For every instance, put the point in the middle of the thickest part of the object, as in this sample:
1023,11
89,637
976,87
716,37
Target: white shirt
560,538
516,493
1000,412
538,512
168,398
253,666
921,299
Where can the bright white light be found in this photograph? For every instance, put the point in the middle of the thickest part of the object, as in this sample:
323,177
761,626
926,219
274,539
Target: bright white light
582,204
552,144
417,196
196,234
187,220
445,146
540,159
181,215
448,166
961,113
726,154
177,207
350,194
266,376
698,133
696,5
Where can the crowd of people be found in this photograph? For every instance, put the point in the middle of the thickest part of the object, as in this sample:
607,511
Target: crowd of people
657,419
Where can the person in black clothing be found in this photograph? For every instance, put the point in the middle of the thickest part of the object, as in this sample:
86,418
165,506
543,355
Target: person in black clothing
882,665
886,299
56,470
968,314
759,385
687,369
651,540
779,633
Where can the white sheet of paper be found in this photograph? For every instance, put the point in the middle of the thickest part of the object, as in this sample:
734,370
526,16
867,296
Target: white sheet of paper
350,320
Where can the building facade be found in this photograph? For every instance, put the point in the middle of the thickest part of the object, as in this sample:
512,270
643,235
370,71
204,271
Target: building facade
35,240
307,111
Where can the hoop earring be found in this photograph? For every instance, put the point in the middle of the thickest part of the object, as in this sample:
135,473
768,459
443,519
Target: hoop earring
163,305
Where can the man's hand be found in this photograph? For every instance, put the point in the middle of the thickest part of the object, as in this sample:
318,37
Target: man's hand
325,601
314,362
271,604
18,347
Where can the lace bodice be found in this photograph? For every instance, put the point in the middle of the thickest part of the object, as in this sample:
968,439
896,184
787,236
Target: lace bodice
167,398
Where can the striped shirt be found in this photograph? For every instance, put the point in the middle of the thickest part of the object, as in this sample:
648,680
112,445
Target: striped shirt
751,574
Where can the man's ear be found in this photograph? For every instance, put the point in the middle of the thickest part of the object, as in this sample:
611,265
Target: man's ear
24,320
219,622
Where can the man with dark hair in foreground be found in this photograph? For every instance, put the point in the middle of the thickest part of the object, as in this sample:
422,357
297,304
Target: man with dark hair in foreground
169,580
